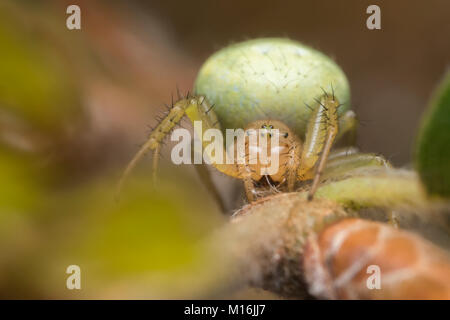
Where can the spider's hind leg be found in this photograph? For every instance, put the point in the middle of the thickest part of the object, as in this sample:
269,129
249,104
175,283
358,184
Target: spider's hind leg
343,163
348,162
206,179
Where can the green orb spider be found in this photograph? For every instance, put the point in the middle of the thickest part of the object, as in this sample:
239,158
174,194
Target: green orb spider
274,84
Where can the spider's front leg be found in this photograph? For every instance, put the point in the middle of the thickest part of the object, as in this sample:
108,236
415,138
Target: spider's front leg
317,162
321,132
196,109
153,143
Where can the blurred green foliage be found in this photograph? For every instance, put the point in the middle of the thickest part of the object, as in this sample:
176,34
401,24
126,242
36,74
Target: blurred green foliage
53,216
144,243
21,187
433,145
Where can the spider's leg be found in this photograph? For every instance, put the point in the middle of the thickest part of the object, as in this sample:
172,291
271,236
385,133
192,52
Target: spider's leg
339,166
291,173
348,124
320,135
323,158
155,163
155,138
292,165
205,178
393,218
197,109
346,151
344,163
249,188
204,112
248,176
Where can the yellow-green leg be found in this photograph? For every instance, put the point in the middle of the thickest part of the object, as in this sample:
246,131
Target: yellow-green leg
343,165
345,162
323,127
197,109
320,134
206,179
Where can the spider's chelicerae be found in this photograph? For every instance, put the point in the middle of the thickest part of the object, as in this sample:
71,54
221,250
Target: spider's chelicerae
276,85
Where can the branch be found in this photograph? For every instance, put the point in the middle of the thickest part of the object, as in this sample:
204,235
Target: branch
264,243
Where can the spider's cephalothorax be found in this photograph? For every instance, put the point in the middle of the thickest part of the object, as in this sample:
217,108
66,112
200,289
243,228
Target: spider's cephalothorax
286,151
274,87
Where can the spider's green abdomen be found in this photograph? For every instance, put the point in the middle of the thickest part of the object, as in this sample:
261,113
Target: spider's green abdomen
269,78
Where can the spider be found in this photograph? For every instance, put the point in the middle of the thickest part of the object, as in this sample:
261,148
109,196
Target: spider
275,85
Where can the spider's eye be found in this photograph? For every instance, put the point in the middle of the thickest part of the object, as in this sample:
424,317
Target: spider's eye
271,126
286,135
263,126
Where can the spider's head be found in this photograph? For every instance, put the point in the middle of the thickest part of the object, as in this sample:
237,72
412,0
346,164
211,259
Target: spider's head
274,138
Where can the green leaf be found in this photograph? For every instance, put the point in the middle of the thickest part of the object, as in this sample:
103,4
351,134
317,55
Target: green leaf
433,144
